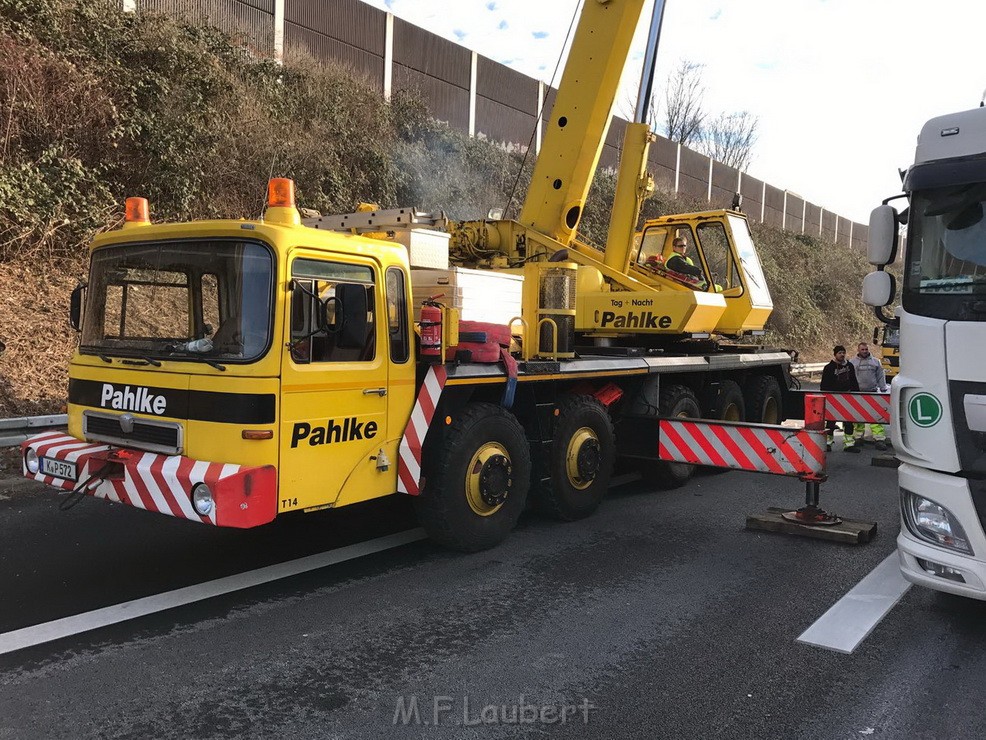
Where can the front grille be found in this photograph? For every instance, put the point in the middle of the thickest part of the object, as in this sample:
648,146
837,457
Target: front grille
145,434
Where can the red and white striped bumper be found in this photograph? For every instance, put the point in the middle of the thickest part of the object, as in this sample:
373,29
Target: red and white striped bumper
244,496
870,408
738,446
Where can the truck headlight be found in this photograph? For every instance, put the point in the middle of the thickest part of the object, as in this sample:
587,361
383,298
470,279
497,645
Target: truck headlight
31,461
202,499
932,522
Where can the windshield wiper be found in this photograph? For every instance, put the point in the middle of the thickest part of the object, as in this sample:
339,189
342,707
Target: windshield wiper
143,361
104,358
214,364
749,272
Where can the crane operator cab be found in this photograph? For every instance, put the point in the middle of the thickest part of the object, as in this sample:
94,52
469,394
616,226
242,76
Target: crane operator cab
708,252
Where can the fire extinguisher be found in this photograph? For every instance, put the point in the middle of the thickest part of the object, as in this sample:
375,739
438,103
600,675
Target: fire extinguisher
431,327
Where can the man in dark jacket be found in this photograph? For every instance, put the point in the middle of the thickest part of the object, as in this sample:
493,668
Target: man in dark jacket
681,262
839,376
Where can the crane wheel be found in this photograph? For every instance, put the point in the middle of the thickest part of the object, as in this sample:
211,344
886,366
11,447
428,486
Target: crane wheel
729,403
572,475
764,402
729,406
676,401
477,487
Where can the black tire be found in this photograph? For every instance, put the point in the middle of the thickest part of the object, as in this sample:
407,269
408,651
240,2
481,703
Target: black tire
572,475
477,486
764,400
729,405
676,401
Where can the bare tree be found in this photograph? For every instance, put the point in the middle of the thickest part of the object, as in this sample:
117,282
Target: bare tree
684,100
729,138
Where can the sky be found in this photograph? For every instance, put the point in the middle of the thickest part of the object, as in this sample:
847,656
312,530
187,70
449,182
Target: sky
841,88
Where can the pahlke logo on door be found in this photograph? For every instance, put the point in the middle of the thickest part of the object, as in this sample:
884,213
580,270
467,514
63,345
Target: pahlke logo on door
333,431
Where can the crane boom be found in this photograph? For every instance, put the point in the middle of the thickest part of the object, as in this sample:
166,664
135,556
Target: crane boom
580,118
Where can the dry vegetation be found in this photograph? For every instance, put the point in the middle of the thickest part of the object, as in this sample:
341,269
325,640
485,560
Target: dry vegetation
97,105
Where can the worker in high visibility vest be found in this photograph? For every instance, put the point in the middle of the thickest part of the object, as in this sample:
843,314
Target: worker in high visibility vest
680,262
872,378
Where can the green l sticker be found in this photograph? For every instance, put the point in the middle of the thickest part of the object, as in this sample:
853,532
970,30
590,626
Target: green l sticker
924,410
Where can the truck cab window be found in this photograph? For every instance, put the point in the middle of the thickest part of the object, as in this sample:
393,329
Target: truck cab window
332,312
182,300
210,304
397,327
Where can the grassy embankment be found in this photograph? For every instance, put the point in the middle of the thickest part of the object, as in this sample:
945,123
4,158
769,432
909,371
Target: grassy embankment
97,105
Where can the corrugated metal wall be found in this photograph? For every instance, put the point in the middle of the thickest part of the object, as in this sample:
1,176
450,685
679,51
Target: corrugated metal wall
251,20
693,178
794,215
773,211
752,191
662,161
346,31
437,69
725,180
506,103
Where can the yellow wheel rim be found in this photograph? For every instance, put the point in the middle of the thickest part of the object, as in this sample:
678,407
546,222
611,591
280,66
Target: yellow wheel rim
582,458
488,479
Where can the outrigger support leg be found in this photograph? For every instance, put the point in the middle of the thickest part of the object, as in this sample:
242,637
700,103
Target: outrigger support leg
810,513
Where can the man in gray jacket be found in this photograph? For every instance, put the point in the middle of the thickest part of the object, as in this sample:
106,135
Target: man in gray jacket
872,379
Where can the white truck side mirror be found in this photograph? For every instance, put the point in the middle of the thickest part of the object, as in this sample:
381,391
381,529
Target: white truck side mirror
879,289
882,247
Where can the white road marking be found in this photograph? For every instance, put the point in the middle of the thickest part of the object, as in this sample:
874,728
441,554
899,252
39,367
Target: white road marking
853,617
68,626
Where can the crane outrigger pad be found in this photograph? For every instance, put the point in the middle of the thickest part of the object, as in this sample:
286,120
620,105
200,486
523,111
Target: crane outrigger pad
847,531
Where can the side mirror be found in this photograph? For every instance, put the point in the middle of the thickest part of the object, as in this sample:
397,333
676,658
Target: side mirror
75,307
353,305
879,289
882,247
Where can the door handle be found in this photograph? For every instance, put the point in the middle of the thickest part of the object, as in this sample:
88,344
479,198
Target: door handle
379,391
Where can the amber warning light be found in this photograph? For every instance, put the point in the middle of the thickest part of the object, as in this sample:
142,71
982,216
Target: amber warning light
137,211
280,193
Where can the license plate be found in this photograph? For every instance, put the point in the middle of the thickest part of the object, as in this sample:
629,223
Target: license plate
58,468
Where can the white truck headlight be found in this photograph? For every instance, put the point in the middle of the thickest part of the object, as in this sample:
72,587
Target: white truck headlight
932,522
202,499
31,461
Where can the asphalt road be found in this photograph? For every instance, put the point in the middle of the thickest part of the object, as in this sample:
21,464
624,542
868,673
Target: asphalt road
660,616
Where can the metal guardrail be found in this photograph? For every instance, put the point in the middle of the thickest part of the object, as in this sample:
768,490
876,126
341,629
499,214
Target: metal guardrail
16,430
809,368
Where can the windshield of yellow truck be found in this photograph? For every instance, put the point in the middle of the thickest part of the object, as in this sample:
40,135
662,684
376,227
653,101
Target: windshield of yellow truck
207,300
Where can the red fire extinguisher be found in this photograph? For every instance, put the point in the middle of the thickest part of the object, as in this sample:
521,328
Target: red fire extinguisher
431,327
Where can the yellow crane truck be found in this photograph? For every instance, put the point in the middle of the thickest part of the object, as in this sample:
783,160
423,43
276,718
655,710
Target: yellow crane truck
887,338
230,371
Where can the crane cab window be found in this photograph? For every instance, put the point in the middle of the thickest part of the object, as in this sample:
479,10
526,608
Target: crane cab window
714,244
651,253
332,312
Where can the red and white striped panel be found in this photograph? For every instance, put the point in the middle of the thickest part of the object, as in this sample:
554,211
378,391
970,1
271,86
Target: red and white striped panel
765,449
244,496
409,462
871,408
